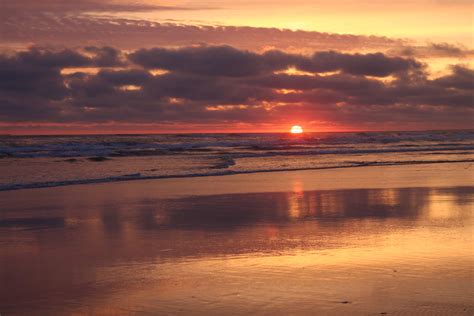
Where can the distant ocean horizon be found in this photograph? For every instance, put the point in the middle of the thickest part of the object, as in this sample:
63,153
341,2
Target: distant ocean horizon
55,160
144,133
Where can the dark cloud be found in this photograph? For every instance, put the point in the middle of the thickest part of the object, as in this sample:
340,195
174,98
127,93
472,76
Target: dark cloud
125,77
376,64
461,78
67,58
447,49
225,84
432,50
231,62
106,56
37,74
207,61
36,57
336,82
211,90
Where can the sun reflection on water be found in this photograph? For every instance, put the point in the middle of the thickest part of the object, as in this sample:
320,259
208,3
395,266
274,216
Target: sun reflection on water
205,252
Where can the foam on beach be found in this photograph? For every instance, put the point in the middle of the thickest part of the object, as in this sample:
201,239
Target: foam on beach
45,161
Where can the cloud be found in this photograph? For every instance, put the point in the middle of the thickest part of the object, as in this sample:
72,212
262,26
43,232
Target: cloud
207,61
231,62
377,64
68,30
213,85
125,77
36,57
61,6
60,28
105,56
84,23
432,50
447,49
461,78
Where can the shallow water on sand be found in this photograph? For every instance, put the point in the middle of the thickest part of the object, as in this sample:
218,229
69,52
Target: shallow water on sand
47,161
354,251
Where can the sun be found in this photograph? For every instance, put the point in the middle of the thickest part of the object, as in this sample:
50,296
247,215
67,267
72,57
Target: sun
296,129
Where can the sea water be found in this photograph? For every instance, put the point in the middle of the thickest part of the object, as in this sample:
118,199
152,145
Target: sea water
42,161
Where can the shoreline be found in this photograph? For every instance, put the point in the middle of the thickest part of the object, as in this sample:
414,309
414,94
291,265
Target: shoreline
373,177
335,241
138,177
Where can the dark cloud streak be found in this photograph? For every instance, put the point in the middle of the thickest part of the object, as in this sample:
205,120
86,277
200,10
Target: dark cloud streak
75,6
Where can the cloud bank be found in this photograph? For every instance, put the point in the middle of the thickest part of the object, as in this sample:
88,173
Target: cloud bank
223,84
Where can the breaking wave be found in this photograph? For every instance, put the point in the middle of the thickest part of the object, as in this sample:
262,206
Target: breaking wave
46,161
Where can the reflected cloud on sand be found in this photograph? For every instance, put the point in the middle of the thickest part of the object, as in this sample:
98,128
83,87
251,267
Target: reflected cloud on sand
234,211
164,253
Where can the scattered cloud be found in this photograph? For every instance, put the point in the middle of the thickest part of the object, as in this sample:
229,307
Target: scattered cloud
67,30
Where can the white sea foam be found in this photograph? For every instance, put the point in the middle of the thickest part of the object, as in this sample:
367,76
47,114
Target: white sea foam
44,161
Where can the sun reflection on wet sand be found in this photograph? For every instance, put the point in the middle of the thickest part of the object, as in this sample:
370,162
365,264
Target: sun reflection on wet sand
295,199
359,251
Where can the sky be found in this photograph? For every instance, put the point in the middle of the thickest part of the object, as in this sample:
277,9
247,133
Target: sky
90,66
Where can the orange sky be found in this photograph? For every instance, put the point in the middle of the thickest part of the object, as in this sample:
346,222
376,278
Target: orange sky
433,20
392,65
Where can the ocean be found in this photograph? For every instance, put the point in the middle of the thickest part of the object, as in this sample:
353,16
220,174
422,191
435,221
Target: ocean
45,161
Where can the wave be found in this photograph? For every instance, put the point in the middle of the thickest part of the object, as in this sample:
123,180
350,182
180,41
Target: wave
310,152
139,176
154,145
224,162
236,151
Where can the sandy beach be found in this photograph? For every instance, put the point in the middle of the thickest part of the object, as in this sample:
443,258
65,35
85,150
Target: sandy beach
395,240
226,157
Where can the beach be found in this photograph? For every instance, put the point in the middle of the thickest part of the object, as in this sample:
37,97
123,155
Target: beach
226,157
373,240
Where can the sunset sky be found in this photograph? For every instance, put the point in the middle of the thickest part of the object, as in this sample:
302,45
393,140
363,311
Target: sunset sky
93,66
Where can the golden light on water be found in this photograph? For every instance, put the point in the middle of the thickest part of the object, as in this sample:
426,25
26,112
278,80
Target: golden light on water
296,129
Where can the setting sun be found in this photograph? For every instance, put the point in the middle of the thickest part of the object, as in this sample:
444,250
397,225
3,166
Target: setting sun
182,121
296,129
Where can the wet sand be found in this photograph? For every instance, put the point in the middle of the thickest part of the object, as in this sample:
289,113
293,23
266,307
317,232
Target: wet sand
392,240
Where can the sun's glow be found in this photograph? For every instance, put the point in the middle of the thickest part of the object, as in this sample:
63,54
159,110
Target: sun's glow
296,129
